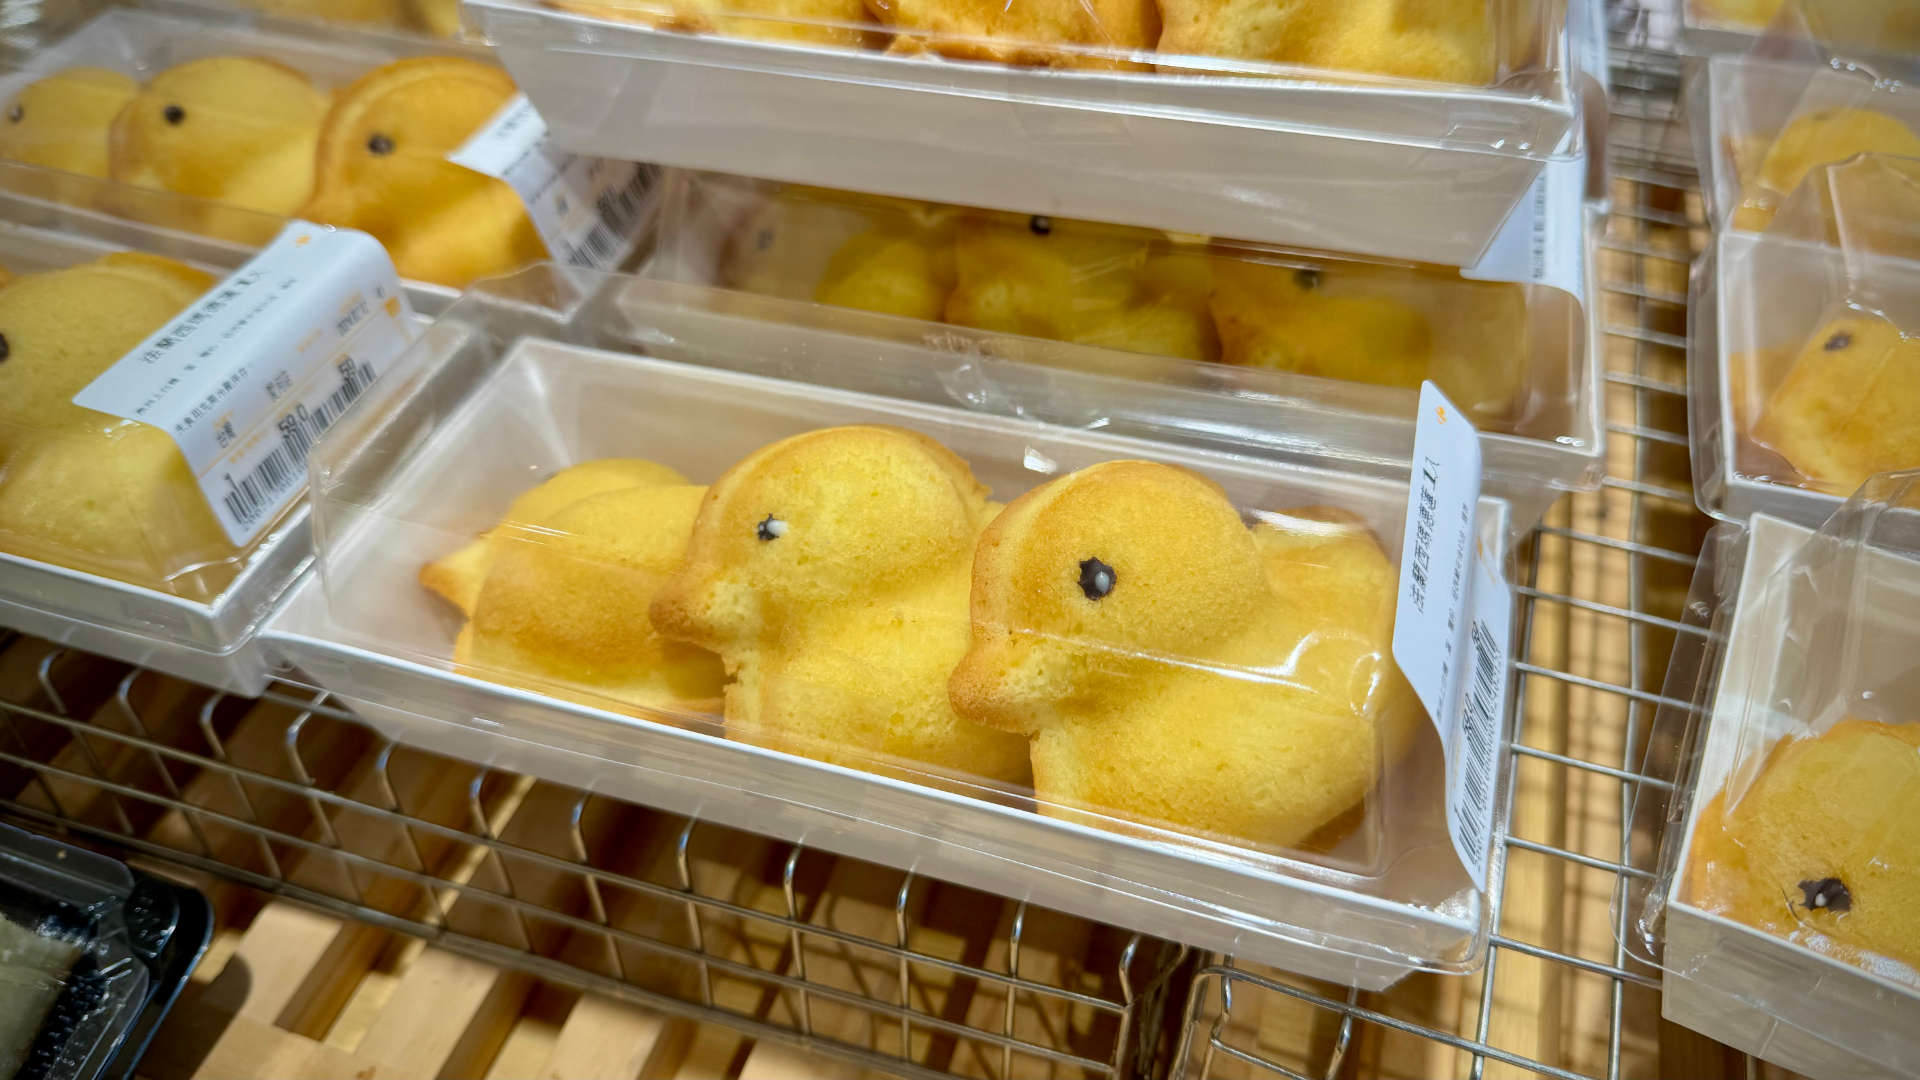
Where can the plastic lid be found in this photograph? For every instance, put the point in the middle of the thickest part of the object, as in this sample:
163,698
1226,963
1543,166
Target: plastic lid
1778,817
1139,642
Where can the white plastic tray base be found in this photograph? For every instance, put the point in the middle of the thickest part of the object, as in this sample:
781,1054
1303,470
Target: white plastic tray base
1346,168
698,419
1716,967
243,671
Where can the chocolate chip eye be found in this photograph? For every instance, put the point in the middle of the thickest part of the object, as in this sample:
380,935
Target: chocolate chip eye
1308,280
379,145
763,240
1827,894
16,114
1097,579
1040,224
173,114
6,350
1838,341
770,528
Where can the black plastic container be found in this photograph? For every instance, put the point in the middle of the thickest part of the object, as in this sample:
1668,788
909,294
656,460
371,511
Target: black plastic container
138,937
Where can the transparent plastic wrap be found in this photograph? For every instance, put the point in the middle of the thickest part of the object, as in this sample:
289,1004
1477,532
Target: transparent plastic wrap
1778,825
1805,365
106,539
1234,327
1147,683
1882,29
1330,125
1764,122
1867,204
429,18
242,123
92,955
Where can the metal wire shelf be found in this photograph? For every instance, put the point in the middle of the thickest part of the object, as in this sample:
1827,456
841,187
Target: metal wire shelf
293,796
907,975
1602,583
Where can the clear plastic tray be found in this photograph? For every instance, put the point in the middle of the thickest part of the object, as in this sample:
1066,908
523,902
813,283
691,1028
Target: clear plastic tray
1338,161
500,393
905,262
1758,302
1714,27
1795,639
146,40
207,639
407,19
1739,104
1705,30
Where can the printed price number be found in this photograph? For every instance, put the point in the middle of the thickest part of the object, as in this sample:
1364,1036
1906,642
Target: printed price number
260,487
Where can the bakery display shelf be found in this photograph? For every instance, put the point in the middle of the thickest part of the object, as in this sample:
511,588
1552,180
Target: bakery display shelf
401,1021
290,795
1605,580
395,909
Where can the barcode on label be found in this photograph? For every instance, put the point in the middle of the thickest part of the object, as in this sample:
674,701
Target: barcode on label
615,212
259,489
1479,739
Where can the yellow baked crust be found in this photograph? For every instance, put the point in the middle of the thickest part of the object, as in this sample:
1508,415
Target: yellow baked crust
382,168
1028,32
1449,41
1175,668
1847,406
232,129
1823,847
829,570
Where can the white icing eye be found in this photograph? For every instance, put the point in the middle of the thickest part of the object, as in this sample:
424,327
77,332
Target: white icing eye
770,528
1097,579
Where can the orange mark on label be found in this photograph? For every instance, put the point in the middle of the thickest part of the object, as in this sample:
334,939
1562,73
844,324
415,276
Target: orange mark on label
1441,412
393,306
302,240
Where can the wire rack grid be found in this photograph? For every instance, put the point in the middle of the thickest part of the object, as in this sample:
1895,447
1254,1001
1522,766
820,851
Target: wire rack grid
292,795
1603,583
907,975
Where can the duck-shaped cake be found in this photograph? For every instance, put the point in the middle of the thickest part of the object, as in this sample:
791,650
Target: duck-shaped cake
1173,667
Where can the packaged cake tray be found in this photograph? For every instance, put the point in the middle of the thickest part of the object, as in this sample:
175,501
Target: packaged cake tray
1340,160
150,81
1799,372
1777,823
200,630
94,956
1761,125
1250,348
504,403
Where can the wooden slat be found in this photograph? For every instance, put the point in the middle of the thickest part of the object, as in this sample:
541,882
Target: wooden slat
604,1039
445,1017
250,1050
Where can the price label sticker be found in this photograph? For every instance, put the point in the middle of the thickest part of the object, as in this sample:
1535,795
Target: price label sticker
249,377
1543,241
590,211
1453,626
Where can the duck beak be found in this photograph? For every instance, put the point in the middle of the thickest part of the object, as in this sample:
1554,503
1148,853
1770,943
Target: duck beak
1004,681
686,608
